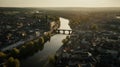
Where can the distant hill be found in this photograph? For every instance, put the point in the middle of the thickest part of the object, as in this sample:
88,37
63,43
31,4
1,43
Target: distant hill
64,8
83,8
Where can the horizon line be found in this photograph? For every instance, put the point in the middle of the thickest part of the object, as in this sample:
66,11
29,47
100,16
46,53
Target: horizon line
57,7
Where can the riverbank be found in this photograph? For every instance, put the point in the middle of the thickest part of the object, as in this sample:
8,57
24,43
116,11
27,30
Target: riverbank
42,58
26,48
38,48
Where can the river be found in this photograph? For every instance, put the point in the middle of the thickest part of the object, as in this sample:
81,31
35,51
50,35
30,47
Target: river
40,58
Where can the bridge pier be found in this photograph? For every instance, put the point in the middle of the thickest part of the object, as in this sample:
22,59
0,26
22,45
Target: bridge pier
63,31
69,32
58,31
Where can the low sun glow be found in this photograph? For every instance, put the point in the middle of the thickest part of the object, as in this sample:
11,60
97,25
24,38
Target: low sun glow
59,3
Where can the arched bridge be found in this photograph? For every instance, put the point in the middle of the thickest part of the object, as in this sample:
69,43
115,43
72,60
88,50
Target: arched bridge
64,31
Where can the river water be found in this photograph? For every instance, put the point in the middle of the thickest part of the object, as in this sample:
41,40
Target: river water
40,58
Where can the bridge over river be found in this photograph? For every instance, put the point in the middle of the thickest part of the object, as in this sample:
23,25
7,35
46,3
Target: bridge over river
64,27
40,59
63,31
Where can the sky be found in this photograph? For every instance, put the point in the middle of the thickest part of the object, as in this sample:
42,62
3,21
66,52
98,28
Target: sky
59,3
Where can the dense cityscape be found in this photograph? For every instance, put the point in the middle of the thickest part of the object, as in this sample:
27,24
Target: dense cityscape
21,28
94,40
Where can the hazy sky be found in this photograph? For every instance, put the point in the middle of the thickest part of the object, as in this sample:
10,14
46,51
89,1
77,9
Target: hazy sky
59,3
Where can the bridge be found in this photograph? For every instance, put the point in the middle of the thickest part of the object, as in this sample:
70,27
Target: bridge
64,31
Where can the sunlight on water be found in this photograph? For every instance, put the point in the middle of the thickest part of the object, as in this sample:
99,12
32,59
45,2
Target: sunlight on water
64,24
50,48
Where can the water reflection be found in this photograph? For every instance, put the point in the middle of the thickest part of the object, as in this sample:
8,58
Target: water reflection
64,24
40,58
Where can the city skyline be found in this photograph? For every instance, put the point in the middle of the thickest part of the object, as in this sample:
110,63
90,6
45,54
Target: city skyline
60,3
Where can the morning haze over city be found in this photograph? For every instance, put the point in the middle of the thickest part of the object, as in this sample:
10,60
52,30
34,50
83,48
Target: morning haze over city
59,33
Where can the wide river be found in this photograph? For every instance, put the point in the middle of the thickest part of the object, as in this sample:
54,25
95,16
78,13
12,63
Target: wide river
40,58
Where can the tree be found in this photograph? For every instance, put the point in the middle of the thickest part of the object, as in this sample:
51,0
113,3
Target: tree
2,55
11,62
15,52
67,37
47,34
17,63
42,40
64,41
